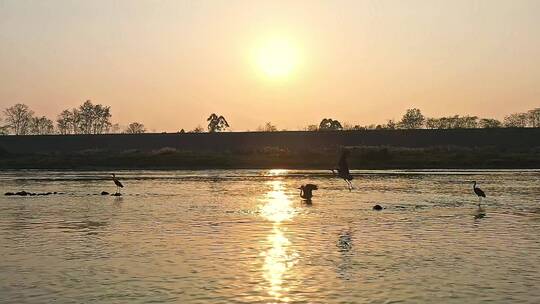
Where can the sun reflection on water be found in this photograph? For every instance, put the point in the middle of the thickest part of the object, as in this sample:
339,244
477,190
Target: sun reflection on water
279,259
277,172
277,205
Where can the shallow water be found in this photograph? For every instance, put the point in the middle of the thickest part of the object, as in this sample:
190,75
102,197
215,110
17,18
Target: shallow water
244,236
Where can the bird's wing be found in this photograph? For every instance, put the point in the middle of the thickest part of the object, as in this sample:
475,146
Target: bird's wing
479,192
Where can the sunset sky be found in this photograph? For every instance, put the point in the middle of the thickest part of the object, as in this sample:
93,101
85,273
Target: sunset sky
169,64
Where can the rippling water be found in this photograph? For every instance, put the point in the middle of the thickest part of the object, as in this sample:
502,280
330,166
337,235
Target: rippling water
244,236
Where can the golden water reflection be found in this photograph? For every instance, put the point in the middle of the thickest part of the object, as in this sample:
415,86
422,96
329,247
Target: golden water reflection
279,258
277,207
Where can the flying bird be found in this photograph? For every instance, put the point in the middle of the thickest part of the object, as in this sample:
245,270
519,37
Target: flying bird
479,193
306,191
343,169
117,183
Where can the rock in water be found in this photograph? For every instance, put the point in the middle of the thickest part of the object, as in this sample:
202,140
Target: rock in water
116,194
377,207
9,193
104,193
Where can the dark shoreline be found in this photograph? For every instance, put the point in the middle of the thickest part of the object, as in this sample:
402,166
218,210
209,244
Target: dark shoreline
361,158
371,149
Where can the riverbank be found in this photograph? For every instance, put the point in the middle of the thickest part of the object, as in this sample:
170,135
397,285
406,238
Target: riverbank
362,157
371,149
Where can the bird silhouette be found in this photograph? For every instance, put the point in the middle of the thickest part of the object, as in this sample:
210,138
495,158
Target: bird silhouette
343,169
479,193
306,191
117,183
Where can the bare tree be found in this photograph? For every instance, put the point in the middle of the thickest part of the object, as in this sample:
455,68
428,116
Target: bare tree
135,128
87,119
102,119
217,123
76,121
64,122
41,126
18,118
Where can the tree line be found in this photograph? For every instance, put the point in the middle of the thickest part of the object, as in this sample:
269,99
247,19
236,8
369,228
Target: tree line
414,119
88,118
91,118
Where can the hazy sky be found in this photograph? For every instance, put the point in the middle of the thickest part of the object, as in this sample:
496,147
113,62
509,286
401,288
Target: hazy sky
168,64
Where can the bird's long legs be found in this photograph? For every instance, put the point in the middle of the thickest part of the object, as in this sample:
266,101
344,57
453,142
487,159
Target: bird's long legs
349,184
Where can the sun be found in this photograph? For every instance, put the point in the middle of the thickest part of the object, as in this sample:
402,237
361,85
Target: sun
277,58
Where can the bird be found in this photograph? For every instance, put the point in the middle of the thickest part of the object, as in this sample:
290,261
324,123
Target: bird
117,183
343,169
479,193
306,191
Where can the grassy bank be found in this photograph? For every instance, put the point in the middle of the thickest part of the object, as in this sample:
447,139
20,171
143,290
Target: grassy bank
362,157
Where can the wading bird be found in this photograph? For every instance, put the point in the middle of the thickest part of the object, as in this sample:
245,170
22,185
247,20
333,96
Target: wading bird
117,183
343,169
306,191
478,192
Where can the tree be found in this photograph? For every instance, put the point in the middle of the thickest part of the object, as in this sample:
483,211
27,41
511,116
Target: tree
534,118
432,123
466,122
102,119
312,128
197,129
94,119
3,129
65,123
18,118
391,125
490,123
76,121
268,127
329,124
87,119
412,119
41,126
135,128
216,123
516,120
